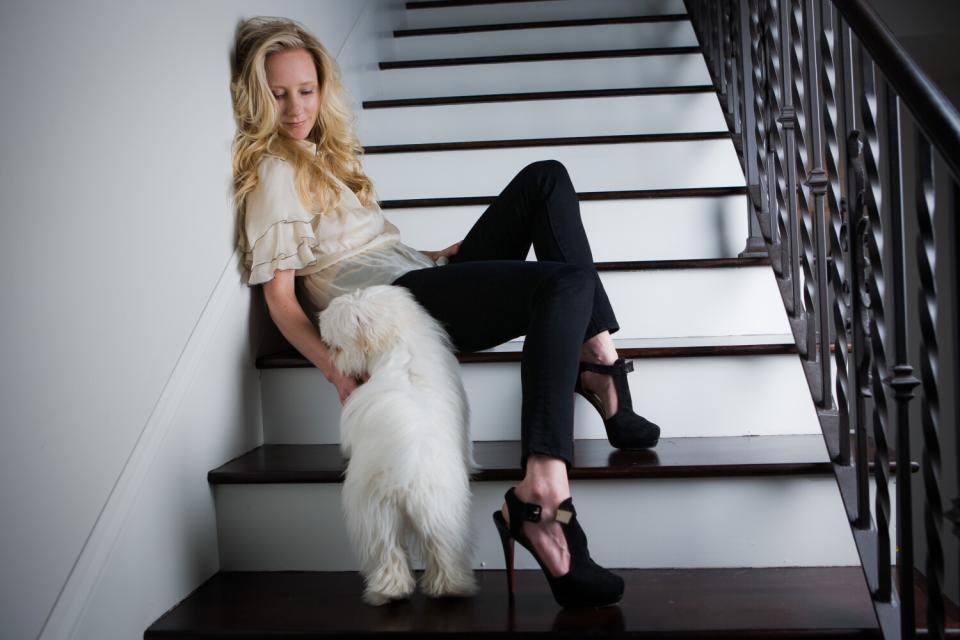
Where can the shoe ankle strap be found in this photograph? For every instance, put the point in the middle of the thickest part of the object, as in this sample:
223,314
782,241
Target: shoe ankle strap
621,365
521,511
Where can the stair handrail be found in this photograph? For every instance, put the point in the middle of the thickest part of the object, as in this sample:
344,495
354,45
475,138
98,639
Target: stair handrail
841,181
935,113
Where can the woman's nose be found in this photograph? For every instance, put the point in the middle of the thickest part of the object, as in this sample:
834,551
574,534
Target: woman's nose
294,105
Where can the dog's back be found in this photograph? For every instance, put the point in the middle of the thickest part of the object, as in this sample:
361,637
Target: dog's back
398,425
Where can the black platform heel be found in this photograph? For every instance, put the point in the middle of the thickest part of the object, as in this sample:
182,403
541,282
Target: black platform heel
625,429
586,584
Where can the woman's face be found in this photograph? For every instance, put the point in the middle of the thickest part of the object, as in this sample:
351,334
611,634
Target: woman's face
292,78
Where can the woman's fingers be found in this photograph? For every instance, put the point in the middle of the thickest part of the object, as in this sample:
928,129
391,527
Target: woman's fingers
346,386
443,253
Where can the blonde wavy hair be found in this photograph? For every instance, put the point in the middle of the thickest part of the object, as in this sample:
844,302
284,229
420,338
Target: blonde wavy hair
338,151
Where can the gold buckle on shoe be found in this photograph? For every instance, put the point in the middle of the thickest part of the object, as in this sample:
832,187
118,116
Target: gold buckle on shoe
563,516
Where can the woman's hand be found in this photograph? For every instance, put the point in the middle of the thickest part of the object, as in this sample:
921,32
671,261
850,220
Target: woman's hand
445,253
346,385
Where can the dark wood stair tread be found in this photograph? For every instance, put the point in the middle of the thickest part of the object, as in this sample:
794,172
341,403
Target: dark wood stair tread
539,57
541,24
688,263
730,456
783,603
436,4
419,147
583,196
511,352
538,95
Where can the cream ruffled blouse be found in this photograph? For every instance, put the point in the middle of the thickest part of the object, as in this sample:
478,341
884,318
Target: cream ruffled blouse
348,248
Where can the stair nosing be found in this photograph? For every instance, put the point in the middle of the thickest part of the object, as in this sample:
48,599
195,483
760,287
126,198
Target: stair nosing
631,465
642,138
441,4
393,103
762,603
687,263
539,24
290,359
584,196
540,57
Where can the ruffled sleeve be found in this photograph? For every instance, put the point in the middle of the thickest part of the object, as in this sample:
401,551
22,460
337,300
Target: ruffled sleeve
278,229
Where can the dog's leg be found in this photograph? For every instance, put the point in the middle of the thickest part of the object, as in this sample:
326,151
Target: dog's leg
375,524
442,523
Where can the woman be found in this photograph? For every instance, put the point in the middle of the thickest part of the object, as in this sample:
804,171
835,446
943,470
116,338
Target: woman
311,222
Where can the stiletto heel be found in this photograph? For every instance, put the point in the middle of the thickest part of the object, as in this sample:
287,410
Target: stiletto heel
625,429
507,543
586,584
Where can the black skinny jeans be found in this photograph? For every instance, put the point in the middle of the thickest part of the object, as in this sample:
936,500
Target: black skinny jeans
489,294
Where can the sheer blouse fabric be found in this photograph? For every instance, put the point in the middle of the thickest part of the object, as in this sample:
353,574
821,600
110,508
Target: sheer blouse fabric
348,248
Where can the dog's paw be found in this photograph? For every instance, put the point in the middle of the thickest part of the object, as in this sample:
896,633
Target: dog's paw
375,598
384,586
449,584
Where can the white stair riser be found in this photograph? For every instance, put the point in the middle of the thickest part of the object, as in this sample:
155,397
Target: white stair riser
583,38
535,11
654,304
665,229
548,75
523,120
696,302
711,522
687,397
602,167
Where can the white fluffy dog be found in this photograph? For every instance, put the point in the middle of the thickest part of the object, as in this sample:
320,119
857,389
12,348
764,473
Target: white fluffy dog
405,431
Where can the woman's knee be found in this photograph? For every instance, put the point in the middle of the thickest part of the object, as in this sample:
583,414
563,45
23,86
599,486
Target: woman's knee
545,174
570,282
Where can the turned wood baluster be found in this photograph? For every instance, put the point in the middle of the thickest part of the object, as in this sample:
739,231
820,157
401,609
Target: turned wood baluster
719,38
901,380
872,115
778,150
795,49
953,514
856,182
732,63
925,200
709,40
817,182
834,158
787,155
758,83
740,101
776,141
860,302
755,246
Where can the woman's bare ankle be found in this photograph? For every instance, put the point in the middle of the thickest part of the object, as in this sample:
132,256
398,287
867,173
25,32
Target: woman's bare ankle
599,349
545,483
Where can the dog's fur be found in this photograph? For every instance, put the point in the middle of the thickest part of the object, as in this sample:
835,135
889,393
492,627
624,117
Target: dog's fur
405,431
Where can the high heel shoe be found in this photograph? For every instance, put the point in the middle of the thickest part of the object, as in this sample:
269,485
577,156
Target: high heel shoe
625,429
586,584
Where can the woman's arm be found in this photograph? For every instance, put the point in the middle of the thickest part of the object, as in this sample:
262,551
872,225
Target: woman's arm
288,315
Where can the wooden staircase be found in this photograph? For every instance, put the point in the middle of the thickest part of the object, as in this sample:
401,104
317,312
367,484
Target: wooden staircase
732,526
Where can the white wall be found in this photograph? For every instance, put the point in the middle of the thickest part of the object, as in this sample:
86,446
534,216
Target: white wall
127,340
